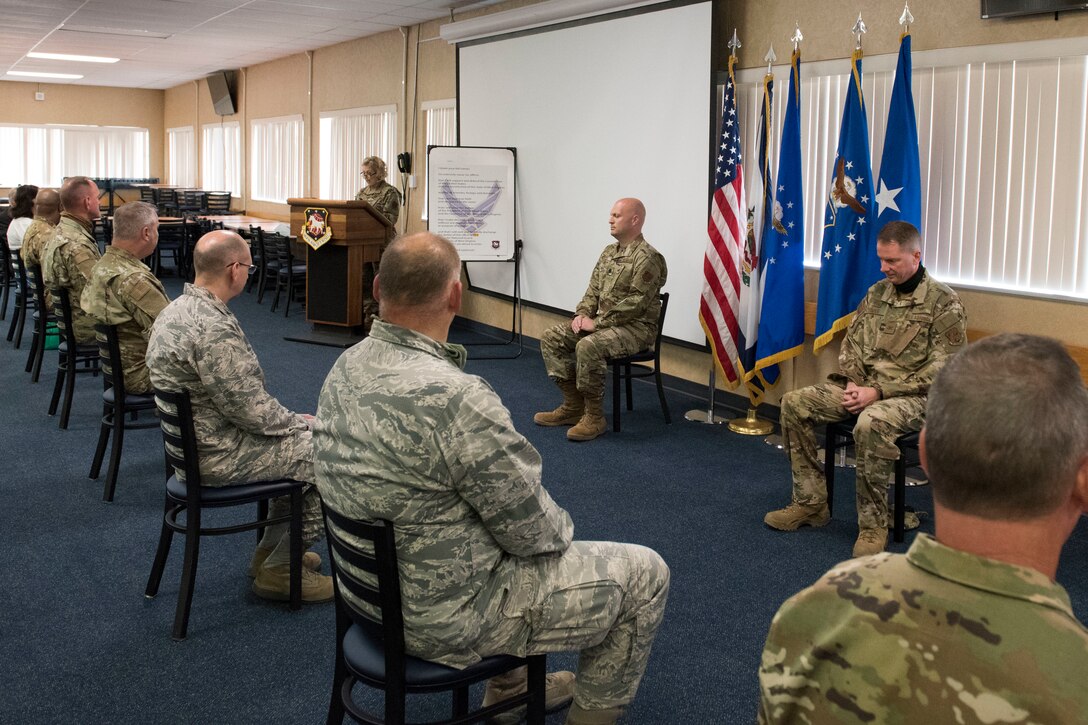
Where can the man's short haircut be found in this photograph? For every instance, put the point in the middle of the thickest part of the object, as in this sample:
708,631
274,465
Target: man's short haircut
73,190
46,201
219,248
1006,428
130,219
905,234
416,270
22,201
378,165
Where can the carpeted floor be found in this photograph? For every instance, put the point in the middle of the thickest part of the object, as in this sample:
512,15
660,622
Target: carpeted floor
79,642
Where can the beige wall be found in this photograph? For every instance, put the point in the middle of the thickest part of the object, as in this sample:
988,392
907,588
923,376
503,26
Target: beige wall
92,105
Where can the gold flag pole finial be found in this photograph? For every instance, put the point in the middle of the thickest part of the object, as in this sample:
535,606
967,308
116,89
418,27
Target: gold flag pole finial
770,58
733,44
906,18
858,30
796,38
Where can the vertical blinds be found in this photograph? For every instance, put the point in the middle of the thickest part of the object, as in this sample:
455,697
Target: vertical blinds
276,157
221,158
348,137
181,155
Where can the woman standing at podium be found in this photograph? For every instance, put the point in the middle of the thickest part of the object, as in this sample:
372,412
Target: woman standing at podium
385,198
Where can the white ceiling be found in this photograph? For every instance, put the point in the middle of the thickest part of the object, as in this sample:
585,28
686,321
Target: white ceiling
163,43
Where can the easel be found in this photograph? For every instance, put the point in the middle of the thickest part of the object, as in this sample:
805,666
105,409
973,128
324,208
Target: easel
516,323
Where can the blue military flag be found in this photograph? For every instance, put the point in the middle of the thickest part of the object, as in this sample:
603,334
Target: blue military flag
899,190
751,268
848,261
782,319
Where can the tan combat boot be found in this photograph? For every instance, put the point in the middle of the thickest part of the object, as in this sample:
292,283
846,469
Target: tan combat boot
578,716
592,423
870,541
797,515
310,560
275,583
569,412
559,693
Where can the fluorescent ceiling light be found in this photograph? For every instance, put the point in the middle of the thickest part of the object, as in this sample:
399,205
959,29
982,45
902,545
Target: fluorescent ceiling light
32,74
77,58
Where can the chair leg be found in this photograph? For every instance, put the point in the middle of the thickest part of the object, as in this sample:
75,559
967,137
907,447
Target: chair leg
661,392
14,322
276,299
69,391
295,531
829,468
290,296
460,702
616,398
262,514
103,440
166,536
537,683
188,574
57,387
115,455
630,401
38,353
336,702
31,356
20,314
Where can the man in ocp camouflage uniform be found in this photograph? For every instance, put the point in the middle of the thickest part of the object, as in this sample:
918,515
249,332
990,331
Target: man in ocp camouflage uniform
905,329
123,292
969,627
243,434
617,316
72,252
38,234
487,561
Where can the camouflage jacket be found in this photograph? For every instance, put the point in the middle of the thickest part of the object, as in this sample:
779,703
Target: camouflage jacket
123,292
384,198
197,345
34,241
897,343
67,262
403,434
937,635
624,286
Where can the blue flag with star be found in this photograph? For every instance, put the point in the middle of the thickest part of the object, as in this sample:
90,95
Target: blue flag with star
848,261
782,320
899,185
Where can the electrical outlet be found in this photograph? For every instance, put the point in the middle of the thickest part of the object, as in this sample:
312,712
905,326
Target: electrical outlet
411,181
39,96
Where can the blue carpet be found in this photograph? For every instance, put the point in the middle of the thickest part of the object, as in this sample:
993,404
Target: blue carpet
79,642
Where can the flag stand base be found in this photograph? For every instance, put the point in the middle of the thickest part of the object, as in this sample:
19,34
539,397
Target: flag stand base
751,425
703,416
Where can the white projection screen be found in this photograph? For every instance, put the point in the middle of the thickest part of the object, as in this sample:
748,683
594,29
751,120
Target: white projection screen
598,110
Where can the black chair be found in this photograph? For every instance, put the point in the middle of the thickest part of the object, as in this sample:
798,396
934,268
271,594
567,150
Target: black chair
120,409
24,303
291,275
217,202
172,242
370,646
625,368
189,497
268,266
840,434
39,309
191,201
7,276
73,358
147,194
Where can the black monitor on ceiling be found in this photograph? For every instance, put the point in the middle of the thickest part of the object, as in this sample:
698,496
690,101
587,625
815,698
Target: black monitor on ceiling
1013,8
219,85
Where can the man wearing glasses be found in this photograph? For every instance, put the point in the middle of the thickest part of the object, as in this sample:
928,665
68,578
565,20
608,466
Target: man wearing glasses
243,433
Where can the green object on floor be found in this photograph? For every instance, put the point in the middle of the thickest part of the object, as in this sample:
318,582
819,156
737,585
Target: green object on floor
52,336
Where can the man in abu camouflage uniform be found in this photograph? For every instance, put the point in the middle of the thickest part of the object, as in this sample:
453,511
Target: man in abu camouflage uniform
72,252
487,562
385,199
905,329
123,292
617,316
38,234
243,434
969,627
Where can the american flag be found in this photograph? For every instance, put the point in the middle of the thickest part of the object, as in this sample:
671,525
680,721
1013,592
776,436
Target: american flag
720,304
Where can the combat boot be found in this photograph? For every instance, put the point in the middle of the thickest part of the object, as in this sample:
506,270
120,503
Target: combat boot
870,541
275,583
608,716
797,515
559,692
570,412
592,423
310,560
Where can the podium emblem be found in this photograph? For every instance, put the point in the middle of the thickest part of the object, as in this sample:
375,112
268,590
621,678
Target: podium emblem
315,227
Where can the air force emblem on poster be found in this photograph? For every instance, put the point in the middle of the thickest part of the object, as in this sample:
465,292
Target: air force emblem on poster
315,228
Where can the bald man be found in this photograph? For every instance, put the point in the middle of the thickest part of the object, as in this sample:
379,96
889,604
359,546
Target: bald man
617,316
243,433
71,254
40,231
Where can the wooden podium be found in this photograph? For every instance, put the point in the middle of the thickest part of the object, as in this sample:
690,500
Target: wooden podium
334,272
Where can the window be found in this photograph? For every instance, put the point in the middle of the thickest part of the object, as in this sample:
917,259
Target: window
276,159
221,158
348,137
181,153
1002,147
441,131
44,155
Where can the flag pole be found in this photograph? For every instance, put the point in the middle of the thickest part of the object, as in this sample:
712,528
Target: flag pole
706,416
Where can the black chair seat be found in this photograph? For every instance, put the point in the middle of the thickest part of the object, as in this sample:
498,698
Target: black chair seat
82,350
232,495
622,370
365,655
132,400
